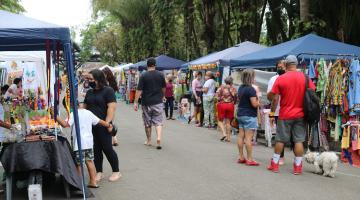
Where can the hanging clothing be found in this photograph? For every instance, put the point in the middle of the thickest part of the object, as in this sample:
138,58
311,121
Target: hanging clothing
321,77
335,84
337,131
314,138
322,80
354,137
311,73
345,140
345,88
354,88
327,69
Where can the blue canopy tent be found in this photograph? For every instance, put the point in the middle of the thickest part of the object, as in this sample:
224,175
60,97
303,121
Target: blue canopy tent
20,33
163,62
308,46
223,57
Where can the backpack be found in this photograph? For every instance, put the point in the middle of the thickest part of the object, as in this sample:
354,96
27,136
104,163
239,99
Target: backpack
312,108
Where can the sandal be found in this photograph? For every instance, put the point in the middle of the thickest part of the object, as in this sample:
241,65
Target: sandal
158,144
241,161
189,120
115,177
223,138
252,163
147,143
93,186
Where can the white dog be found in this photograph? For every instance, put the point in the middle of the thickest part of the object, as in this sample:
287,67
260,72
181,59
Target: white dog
325,163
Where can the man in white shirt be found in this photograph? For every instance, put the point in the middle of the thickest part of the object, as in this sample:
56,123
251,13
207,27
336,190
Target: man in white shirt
208,96
280,69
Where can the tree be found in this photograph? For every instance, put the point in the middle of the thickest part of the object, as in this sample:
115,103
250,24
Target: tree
11,6
188,29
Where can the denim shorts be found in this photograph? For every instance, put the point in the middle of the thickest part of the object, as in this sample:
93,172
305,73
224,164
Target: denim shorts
246,122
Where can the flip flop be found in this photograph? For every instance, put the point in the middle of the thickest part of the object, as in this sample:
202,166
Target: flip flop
147,144
223,138
158,147
93,186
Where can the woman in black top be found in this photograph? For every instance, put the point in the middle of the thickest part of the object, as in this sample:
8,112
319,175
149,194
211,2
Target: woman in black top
247,116
110,78
101,101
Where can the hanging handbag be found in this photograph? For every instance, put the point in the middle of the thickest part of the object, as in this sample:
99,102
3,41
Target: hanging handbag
114,130
235,123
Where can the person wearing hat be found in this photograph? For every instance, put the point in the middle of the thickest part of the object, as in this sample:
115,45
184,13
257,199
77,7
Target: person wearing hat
291,87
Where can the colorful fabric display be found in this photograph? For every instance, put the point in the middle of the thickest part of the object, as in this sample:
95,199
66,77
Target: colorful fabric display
335,83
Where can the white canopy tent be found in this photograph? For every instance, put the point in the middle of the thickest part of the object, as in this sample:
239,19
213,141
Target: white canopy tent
30,64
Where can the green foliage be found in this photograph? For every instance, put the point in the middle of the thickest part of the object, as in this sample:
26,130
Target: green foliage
11,6
132,30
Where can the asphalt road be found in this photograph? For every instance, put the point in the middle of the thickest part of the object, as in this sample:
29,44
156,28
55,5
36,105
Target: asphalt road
195,165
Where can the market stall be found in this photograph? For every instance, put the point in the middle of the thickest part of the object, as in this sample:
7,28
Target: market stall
28,112
334,67
120,73
219,62
164,63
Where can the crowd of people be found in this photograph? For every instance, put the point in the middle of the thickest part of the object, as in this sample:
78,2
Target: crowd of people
235,108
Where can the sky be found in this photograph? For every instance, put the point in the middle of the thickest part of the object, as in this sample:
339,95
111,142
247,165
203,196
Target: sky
70,13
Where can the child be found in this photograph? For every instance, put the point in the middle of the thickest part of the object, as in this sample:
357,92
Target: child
184,107
86,120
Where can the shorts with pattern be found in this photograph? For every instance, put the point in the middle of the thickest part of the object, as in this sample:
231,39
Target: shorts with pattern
88,155
153,115
293,128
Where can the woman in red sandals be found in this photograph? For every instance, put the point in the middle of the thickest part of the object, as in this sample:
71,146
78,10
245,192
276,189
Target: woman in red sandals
247,116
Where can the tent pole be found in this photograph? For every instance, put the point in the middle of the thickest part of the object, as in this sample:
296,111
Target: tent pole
73,100
56,95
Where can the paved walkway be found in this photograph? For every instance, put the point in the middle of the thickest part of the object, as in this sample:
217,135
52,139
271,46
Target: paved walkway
195,165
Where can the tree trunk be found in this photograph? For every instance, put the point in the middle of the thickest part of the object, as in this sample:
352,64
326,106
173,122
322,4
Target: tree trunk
209,32
192,45
304,10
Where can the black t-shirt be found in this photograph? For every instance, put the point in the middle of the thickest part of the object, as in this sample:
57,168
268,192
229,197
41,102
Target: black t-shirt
151,84
245,108
96,101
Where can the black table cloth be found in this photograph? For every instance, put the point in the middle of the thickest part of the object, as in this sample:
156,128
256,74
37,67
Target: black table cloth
49,156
